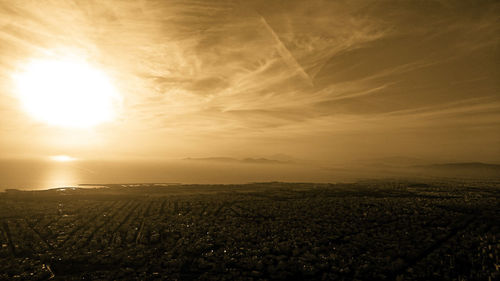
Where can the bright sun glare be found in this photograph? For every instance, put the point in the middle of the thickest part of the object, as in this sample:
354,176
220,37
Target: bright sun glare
67,93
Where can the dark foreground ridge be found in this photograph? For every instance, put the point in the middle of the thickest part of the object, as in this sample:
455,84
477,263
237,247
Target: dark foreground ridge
264,231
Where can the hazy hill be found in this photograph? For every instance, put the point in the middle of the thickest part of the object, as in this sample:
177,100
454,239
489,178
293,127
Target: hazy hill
462,169
248,160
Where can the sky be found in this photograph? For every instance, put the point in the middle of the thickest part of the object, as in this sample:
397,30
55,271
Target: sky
322,81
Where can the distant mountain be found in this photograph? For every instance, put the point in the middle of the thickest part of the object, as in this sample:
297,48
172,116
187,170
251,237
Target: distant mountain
262,161
284,158
235,160
465,165
213,159
462,169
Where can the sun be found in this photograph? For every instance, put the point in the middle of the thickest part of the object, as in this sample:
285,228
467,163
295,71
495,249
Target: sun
67,93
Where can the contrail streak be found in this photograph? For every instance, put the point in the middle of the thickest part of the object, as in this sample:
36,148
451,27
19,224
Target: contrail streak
286,54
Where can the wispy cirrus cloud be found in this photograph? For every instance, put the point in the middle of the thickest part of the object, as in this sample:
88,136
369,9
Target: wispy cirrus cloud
271,72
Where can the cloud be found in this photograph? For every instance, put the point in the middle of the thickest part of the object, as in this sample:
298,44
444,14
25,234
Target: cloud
272,72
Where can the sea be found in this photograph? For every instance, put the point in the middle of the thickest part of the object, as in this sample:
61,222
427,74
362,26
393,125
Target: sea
40,175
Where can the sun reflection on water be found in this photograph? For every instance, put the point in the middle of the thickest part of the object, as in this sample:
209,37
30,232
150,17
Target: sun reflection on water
61,174
62,158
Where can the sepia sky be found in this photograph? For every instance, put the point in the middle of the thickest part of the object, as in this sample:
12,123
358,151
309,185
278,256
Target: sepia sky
328,81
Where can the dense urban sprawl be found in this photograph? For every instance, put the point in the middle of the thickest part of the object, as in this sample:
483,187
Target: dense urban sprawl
373,230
